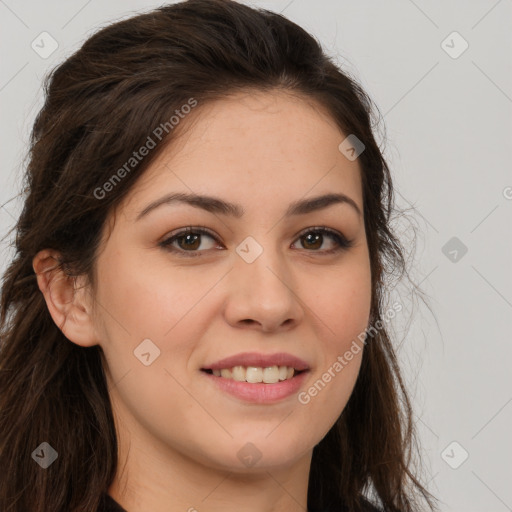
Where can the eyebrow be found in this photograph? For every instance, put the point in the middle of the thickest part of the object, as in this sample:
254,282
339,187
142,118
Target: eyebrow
216,205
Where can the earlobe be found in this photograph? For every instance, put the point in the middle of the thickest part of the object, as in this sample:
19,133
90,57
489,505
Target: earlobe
68,304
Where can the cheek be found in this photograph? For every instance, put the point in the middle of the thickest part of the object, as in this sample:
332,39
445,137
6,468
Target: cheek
342,310
344,306
146,300
141,301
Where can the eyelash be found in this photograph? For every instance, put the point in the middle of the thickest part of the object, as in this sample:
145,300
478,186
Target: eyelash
342,242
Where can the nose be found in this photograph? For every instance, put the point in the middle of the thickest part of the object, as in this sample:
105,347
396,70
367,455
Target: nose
263,295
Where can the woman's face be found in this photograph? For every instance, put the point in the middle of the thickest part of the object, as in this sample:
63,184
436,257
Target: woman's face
261,281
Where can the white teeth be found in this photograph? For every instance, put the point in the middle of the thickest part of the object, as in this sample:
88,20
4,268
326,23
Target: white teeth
238,373
254,374
269,375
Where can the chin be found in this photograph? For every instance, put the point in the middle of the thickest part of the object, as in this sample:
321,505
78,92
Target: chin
260,452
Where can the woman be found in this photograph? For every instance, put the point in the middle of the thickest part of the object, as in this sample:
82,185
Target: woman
194,317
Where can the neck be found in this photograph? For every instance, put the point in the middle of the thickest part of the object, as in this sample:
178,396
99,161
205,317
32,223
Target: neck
153,476
148,482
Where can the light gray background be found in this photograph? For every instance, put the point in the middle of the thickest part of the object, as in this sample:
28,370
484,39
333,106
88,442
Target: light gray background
448,126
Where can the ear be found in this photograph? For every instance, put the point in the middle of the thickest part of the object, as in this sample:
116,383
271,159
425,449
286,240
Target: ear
69,304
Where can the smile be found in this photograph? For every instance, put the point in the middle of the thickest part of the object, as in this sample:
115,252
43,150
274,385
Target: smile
257,391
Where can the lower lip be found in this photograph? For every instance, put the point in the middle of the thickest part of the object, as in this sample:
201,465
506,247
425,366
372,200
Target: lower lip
259,393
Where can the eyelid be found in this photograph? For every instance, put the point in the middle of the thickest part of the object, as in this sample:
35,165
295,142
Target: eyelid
342,242
167,240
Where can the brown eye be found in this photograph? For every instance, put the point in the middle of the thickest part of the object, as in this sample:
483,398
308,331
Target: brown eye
187,240
313,239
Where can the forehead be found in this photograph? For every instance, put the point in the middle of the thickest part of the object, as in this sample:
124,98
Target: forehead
253,148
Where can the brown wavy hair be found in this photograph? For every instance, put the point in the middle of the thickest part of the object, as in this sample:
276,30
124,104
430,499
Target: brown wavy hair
100,106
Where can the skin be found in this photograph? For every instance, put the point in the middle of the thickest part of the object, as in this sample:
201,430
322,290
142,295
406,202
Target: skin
178,434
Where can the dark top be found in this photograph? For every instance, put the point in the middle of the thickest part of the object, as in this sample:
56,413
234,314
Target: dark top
108,504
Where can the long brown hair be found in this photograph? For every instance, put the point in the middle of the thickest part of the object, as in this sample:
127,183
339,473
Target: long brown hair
100,106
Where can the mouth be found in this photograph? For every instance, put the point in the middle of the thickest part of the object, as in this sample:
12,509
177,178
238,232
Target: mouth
257,385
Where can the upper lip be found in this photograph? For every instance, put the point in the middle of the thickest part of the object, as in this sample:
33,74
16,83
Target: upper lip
259,360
